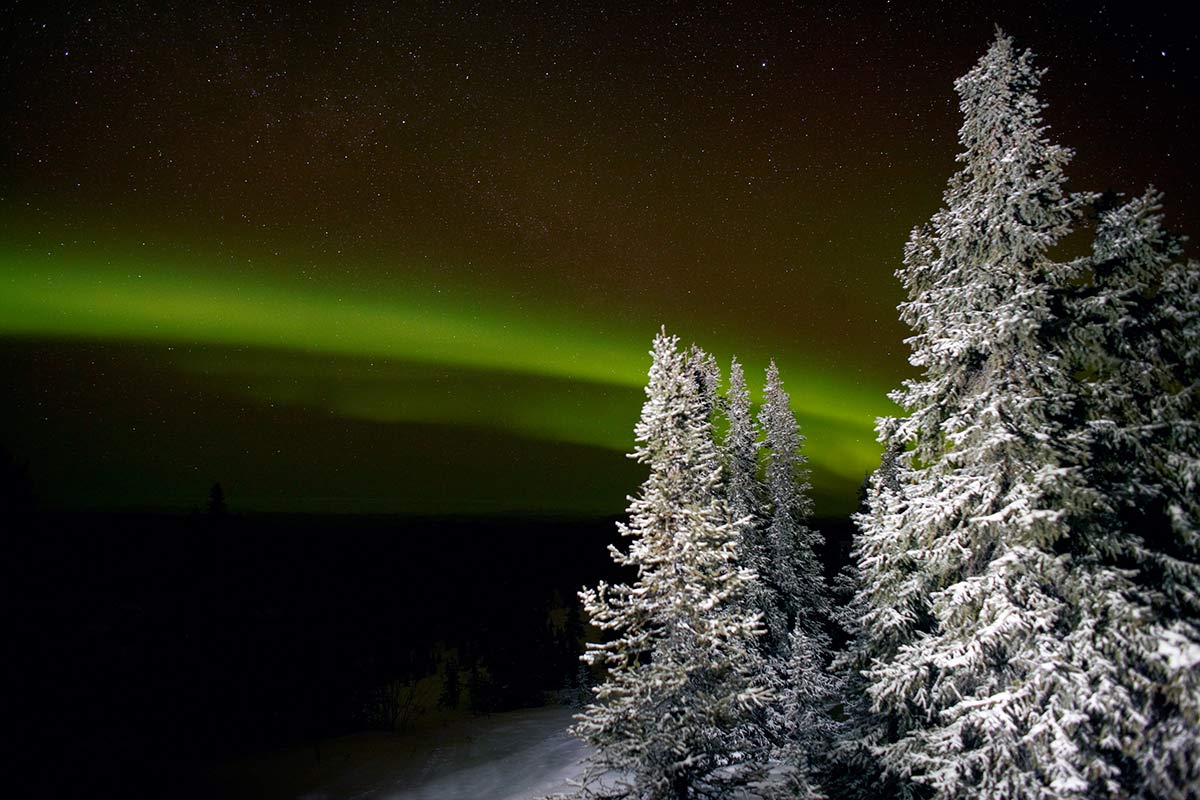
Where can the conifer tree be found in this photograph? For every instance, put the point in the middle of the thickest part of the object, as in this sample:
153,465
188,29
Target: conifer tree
806,695
799,663
672,718
796,571
741,447
707,375
1138,324
856,774
1136,341
744,492
992,646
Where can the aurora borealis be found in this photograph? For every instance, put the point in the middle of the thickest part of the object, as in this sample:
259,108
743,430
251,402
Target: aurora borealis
410,258
413,359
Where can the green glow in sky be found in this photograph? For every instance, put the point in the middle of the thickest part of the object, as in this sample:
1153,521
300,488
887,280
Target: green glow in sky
156,304
413,356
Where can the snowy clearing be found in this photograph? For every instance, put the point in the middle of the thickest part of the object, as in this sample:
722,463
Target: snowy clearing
517,755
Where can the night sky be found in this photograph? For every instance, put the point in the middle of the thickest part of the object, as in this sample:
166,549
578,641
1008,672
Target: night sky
409,257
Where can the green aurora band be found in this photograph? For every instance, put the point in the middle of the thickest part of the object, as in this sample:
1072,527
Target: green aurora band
412,355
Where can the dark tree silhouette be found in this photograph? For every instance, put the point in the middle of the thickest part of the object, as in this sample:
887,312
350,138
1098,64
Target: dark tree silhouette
451,685
216,501
16,487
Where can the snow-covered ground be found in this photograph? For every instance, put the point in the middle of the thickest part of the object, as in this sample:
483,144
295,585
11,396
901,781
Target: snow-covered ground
517,755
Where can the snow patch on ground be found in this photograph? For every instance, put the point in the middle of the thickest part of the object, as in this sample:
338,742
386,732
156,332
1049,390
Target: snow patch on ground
516,755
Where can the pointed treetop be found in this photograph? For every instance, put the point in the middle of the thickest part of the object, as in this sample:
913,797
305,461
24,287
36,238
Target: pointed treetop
741,450
738,395
707,376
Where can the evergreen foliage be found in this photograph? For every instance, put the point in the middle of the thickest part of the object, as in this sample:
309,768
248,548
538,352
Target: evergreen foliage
673,717
1022,615
1134,339
1005,644
744,492
796,571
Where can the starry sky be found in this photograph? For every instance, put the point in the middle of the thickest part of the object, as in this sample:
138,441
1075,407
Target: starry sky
409,257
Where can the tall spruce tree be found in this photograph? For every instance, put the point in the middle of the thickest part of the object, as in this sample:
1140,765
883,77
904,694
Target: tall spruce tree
807,694
744,492
795,567
1138,320
674,715
1136,342
741,447
857,774
795,578
991,643
707,375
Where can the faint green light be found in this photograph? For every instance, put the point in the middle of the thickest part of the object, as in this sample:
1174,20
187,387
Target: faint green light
463,330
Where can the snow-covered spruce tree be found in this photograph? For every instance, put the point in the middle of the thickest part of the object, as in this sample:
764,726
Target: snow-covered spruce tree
1139,319
796,572
989,642
793,574
1171,762
1136,341
741,447
671,719
706,373
745,495
806,695
855,773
